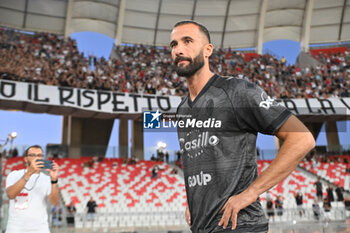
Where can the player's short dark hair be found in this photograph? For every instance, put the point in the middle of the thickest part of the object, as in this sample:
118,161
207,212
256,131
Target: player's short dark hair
33,146
201,27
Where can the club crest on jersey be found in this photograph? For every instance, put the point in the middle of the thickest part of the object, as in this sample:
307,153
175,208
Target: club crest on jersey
267,101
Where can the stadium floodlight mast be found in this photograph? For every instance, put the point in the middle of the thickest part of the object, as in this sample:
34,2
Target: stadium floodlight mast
11,137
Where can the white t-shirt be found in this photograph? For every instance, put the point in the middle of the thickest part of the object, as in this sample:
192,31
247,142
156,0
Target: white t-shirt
28,211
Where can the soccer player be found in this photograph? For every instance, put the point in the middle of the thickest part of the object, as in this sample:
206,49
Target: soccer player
218,124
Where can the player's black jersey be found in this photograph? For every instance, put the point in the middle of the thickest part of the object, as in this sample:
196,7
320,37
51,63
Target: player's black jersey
217,135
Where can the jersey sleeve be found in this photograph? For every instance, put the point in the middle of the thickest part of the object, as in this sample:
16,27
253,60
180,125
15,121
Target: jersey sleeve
256,111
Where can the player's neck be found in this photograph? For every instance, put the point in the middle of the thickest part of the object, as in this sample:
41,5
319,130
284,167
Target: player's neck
198,81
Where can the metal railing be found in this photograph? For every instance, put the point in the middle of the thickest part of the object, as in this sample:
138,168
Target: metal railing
334,221
290,221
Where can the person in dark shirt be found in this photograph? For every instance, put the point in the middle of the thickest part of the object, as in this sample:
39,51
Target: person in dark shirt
279,205
339,191
319,192
330,195
155,172
269,209
153,158
91,206
218,125
166,157
14,153
299,201
71,210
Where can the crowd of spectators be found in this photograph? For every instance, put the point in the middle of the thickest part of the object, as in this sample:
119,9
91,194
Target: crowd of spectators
54,60
321,157
276,206
95,159
130,161
12,153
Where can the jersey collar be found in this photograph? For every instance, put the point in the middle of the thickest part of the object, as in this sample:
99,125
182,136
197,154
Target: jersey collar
204,89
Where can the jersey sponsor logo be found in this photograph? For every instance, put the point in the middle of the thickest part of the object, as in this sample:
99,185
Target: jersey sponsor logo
199,179
151,120
198,144
267,101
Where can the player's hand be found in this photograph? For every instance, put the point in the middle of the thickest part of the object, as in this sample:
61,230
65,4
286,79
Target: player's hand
232,207
54,171
188,216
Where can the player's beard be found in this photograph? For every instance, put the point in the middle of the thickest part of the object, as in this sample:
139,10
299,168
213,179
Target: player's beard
194,65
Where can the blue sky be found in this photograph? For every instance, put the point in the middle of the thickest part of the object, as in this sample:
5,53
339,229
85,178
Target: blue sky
33,128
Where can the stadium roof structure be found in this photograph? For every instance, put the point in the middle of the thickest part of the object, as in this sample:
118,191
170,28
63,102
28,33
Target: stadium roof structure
232,23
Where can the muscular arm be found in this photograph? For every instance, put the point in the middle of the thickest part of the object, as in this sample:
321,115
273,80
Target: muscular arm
298,141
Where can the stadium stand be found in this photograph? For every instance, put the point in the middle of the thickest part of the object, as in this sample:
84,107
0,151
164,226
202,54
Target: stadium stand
297,181
333,172
128,196
53,60
120,190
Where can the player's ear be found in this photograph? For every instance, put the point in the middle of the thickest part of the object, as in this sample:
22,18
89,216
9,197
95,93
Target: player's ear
208,50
